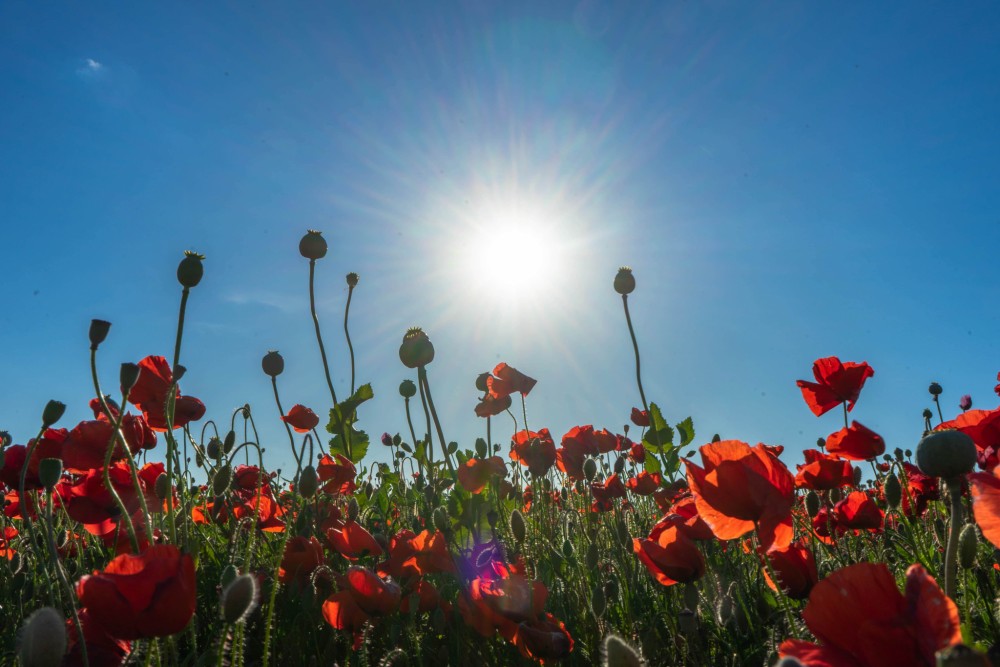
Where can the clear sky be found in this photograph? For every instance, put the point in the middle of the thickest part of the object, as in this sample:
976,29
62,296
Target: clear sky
789,180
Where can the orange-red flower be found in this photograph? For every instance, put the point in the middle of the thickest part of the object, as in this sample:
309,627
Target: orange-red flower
502,604
301,418
645,483
352,541
302,556
149,595
535,450
986,503
858,512
795,568
87,443
671,557
823,471
858,443
684,515
429,554
742,488
983,426
640,417
836,383
475,474
506,380
6,535
150,395
50,446
491,407
862,620
364,597
544,639
336,477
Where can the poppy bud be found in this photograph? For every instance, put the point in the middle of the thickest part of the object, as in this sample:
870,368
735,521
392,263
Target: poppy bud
590,469
968,542
179,372
620,464
353,509
313,245
49,472
834,495
598,602
352,279
239,598
857,476
221,480
190,270
481,449
935,389
162,486
416,349
946,454
567,549
716,438
308,482
214,448
624,281
623,535
273,363
386,440
228,574
369,489
893,491
908,453
481,383
98,332
407,389
227,445
812,504
965,403
441,520
52,413
43,639
616,652
593,556
517,525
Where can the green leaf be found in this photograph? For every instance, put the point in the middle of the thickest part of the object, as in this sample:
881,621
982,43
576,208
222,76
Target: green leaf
651,464
359,444
660,436
686,432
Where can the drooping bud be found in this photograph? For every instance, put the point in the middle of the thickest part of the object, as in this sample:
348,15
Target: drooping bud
179,372
481,448
308,482
221,480
624,281
43,639
893,491
857,476
227,445
98,332
190,270
239,598
620,465
968,542
517,526
52,413
416,349
407,389
313,245
946,454
616,652
273,363
49,472
567,549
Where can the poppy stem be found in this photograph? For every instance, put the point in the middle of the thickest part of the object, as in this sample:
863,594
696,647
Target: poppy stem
954,490
524,412
413,434
63,579
422,373
288,429
319,338
844,405
347,334
428,445
635,347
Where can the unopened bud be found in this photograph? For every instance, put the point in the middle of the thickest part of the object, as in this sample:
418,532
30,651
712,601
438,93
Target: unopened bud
239,598
353,509
227,444
598,602
98,332
593,556
812,504
228,574
893,491
49,472
52,413
128,375
616,652
968,542
308,482
43,639
620,464
590,469
221,480
162,486
517,525
481,449
441,520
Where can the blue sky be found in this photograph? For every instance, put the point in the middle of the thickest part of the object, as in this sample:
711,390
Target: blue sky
788,180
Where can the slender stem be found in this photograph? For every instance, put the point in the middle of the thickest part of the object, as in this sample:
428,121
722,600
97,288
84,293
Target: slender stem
413,434
844,405
64,580
422,372
427,434
635,347
288,429
954,487
319,337
347,334
937,404
524,412
180,327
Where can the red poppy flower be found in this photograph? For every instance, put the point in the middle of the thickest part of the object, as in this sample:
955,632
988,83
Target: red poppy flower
535,450
86,445
364,597
684,515
301,418
427,598
795,568
741,488
49,447
150,395
606,491
858,443
352,541
103,650
919,490
336,477
475,474
502,604
986,503
836,383
644,483
544,639
6,535
823,471
149,595
491,407
589,441
637,453
672,557
302,556
429,554
506,380
858,512
248,478
640,417
88,500
862,620
983,426
400,550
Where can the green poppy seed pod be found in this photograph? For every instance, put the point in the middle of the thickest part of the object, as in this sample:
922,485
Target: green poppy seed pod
624,281
190,270
352,279
616,652
481,382
416,349
691,596
128,375
590,469
812,504
313,245
221,480
598,602
893,491
49,472
946,454
214,448
239,598
227,444
308,482
98,332
567,549
407,389
52,413
687,622
162,486
481,449
228,574
935,389
43,639
961,655
593,556
968,543
273,363
517,526
353,509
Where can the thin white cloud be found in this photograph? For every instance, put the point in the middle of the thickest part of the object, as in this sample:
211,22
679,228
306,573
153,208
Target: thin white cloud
91,68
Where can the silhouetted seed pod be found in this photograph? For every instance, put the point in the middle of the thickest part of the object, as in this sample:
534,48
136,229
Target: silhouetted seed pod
624,281
190,270
273,363
313,245
407,389
935,389
352,279
416,350
214,448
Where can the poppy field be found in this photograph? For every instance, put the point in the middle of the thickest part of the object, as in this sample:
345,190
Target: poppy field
150,535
